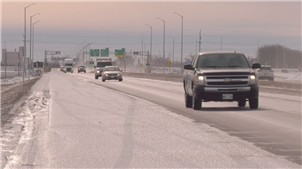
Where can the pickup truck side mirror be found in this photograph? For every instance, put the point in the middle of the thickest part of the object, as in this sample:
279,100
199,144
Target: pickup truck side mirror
121,70
256,66
189,67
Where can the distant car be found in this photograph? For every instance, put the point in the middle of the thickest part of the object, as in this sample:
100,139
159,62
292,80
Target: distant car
112,73
265,72
62,68
284,71
81,69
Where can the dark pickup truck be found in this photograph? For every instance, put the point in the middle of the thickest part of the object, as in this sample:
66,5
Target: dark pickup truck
222,77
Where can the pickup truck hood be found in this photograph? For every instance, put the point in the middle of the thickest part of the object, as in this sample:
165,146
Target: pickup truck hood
225,71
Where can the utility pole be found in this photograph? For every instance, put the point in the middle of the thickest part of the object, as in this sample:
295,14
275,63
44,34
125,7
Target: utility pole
173,54
196,45
150,53
199,40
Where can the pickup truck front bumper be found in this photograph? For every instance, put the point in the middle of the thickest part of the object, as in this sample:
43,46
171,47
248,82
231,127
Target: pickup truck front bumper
207,93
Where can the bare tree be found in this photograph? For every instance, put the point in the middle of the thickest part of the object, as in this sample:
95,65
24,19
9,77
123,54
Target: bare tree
189,57
286,57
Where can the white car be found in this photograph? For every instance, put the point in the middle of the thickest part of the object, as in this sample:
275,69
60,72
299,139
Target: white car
265,72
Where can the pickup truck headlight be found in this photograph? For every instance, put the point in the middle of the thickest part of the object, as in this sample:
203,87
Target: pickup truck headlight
106,74
199,80
118,74
98,71
253,79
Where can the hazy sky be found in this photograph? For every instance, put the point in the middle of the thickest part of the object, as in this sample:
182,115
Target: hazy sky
65,25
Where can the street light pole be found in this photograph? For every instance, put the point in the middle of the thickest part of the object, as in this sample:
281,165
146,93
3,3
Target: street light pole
163,45
80,52
24,51
182,26
88,44
33,52
30,42
150,53
173,53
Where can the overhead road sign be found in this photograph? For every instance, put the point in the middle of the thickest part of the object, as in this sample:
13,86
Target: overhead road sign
94,52
120,52
105,52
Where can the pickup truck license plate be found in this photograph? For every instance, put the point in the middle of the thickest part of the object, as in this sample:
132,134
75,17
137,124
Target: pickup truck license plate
227,96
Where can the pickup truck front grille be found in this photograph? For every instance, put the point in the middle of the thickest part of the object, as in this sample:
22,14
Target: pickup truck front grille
68,69
227,80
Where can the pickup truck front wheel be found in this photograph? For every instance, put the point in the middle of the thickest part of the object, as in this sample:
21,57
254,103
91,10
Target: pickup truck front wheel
196,103
188,100
253,102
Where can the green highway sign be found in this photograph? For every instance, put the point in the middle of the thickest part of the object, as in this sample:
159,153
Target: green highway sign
94,52
120,52
105,52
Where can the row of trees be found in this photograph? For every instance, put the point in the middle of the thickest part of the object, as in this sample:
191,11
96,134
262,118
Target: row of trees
279,56
155,61
276,56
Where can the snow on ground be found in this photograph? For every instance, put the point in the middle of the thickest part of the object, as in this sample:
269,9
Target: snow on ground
153,137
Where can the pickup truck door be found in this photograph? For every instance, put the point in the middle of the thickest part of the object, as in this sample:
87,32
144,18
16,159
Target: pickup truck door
189,78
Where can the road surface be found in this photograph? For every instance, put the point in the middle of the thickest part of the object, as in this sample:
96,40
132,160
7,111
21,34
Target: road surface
75,121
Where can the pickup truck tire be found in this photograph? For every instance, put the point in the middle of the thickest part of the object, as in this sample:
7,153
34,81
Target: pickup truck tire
241,103
253,102
103,80
96,77
188,100
196,103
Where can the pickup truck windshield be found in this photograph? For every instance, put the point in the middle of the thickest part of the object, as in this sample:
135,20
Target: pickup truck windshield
68,64
219,61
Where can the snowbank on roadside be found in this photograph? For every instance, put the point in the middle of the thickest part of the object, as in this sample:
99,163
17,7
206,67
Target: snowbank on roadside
296,76
17,79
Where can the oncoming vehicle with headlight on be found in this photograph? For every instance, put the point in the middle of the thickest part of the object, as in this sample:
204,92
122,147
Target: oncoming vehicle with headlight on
101,63
112,73
220,76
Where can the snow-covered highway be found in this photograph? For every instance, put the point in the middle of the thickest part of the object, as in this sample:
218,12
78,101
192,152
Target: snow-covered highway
75,121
